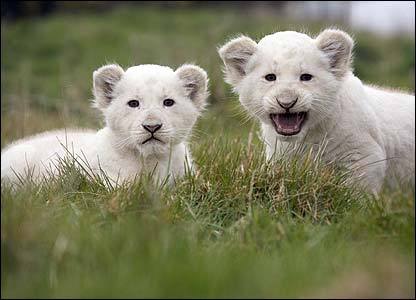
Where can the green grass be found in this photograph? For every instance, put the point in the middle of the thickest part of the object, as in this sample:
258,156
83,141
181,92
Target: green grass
239,228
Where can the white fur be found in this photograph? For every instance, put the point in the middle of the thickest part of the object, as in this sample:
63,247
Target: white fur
117,149
371,128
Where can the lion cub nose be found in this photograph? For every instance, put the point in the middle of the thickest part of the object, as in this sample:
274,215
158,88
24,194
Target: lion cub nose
152,128
287,105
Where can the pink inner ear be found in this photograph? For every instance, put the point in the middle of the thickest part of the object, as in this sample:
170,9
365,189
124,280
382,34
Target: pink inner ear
238,64
108,90
191,88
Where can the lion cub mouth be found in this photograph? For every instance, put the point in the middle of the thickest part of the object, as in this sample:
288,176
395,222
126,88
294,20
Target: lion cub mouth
152,139
288,123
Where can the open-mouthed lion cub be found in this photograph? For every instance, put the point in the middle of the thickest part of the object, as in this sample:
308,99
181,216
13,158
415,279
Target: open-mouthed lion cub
149,112
303,89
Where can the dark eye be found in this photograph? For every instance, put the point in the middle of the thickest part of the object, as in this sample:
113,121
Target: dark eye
305,77
168,102
270,77
133,103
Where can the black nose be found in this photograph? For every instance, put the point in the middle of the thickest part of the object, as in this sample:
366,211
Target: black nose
287,106
152,128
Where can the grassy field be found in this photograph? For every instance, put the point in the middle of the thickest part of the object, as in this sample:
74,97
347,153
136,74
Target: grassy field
239,227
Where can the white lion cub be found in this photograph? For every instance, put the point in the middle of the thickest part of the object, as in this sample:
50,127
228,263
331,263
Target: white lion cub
149,112
302,89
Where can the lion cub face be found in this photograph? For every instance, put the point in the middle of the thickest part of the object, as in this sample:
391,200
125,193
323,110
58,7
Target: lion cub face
288,80
150,107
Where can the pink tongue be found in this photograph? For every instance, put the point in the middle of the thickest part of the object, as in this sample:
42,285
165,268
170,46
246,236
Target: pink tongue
289,121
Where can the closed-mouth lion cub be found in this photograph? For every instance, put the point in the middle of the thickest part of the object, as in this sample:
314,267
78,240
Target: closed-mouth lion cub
302,89
149,112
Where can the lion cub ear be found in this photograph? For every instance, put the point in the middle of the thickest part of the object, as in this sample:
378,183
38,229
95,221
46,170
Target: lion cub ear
104,81
195,81
235,54
337,46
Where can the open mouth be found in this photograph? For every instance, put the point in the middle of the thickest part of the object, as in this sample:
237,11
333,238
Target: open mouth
151,139
288,123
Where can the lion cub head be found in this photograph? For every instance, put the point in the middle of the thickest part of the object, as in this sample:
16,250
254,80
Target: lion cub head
288,80
150,107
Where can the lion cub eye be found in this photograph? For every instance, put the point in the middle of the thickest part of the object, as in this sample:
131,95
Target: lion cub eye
168,102
270,77
305,77
133,103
